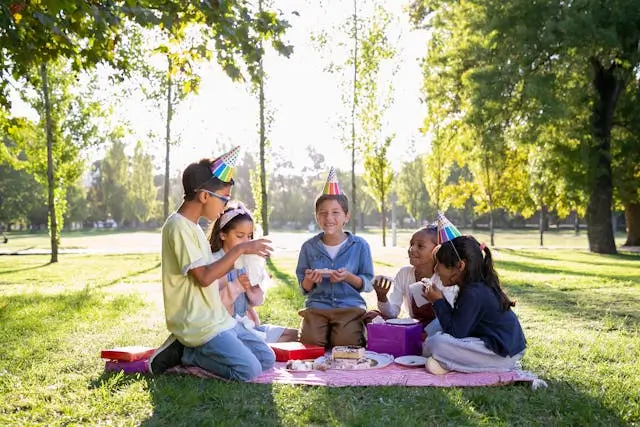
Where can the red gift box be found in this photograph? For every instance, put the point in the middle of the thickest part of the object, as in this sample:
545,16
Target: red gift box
127,354
286,351
397,340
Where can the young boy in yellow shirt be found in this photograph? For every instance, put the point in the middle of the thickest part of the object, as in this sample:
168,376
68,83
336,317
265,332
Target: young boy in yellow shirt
202,331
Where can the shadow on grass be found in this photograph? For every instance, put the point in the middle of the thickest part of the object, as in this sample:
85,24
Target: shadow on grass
530,267
127,276
187,400
630,259
33,267
281,276
184,400
36,328
614,311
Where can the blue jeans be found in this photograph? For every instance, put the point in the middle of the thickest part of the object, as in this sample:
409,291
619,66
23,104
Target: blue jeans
236,354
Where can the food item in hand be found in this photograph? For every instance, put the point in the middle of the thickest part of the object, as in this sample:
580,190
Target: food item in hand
326,272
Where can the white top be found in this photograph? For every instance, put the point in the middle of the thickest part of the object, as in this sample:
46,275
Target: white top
401,293
333,250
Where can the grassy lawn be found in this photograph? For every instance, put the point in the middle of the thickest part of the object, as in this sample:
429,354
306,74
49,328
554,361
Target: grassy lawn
581,314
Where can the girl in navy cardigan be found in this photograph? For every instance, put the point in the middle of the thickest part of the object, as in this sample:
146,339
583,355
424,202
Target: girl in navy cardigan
479,333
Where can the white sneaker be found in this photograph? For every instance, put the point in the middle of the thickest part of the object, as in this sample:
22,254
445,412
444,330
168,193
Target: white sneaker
168,355
434,367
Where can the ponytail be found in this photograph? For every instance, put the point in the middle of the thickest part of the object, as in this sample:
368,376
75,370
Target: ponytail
492,280
478,265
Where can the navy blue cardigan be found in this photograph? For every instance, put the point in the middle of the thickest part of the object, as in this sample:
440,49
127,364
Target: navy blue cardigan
477,313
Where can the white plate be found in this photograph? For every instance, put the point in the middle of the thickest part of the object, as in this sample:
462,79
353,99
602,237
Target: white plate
402,321
410,361
382,360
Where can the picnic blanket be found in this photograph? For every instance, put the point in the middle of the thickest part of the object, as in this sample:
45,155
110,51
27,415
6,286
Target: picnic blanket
392,375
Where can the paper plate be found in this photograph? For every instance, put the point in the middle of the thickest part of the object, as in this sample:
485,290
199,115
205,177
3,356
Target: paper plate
380,360
411,361
402,321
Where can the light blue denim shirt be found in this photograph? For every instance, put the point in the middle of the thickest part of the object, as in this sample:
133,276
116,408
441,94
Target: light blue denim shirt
354,255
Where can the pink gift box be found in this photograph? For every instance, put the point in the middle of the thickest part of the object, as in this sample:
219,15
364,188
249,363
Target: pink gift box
397,340
137,366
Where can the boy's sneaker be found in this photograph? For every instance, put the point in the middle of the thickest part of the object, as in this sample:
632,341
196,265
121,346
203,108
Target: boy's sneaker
434,367
168,355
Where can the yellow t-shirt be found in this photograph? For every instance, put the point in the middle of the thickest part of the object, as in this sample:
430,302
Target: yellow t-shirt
194,314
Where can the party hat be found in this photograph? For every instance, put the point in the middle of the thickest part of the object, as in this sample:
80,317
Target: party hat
332,187
223,166
446,230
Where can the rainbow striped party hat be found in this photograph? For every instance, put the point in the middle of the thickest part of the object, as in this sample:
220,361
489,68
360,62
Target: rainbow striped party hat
332,187
222,167
446,230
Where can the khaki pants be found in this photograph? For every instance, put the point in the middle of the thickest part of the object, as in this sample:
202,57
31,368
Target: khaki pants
331,327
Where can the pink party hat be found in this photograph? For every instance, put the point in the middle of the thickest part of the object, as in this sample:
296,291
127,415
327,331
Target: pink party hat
446,230
332,187
223,166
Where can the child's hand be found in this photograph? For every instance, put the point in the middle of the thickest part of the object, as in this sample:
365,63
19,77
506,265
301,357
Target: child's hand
339,275
382,285
258,247
244,281
313,276
432,293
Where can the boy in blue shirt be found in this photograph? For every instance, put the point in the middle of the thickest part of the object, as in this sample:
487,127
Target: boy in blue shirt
334,267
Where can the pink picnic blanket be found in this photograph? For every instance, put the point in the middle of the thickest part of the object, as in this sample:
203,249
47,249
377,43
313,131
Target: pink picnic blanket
392,375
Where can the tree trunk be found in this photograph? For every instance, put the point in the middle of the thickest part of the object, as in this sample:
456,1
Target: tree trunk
489,197
543,211
608,85
53,227
167,141
576,223
384,224
354,204
632,220
264,211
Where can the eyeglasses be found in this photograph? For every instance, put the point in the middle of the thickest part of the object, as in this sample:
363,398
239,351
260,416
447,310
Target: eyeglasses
224,199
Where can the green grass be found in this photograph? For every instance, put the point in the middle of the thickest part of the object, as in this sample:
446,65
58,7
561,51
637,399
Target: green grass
580,313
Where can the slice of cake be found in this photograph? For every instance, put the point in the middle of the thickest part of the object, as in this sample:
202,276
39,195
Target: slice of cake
347,352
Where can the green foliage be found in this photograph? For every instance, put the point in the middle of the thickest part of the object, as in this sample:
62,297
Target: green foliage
411,191
115,180
541,74
92,32
20,195
141,192
378,175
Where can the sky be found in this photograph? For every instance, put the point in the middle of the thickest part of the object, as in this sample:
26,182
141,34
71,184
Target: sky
305,99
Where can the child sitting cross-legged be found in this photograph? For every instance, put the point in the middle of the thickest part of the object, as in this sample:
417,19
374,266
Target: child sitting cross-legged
240,296
480,332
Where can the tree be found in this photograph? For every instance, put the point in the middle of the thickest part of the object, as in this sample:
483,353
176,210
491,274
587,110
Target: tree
77,206
20,194
541,62
88,33
436,169
378,179
68,124
141,191
376,52
347,35
625,161
412,193
115,179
